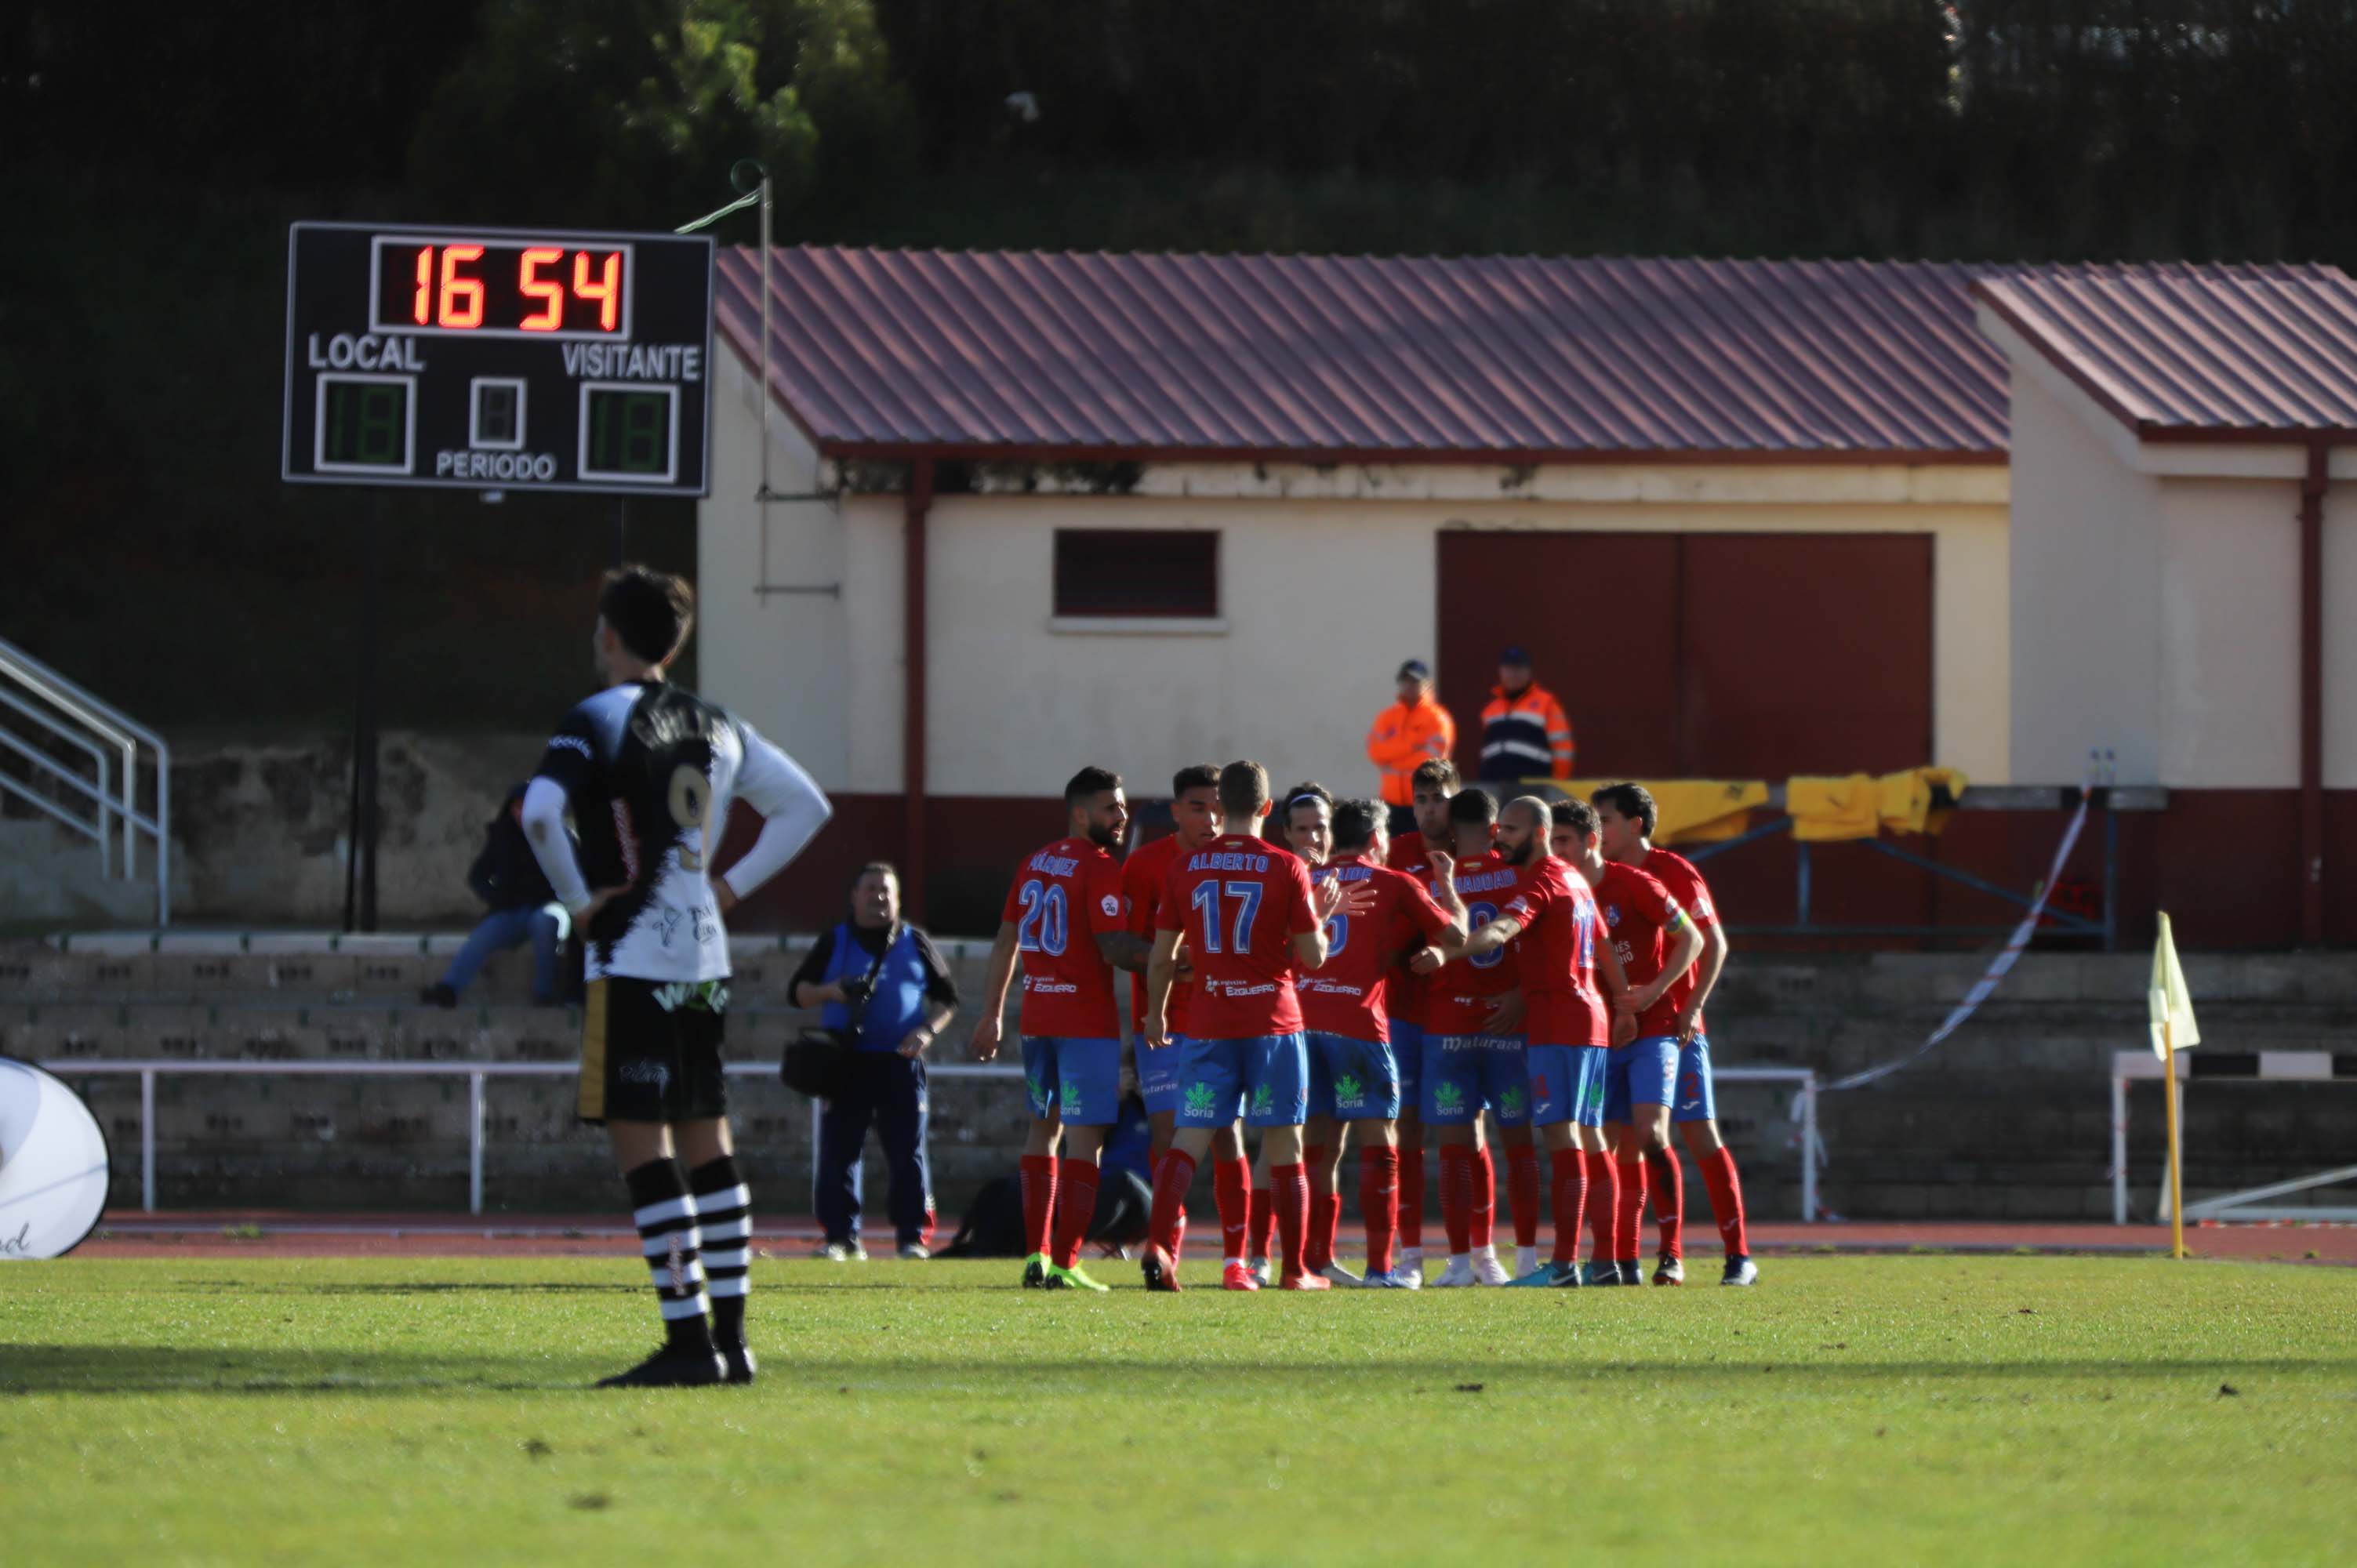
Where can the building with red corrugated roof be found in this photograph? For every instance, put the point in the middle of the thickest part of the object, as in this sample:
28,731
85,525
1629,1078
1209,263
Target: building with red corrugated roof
1752,518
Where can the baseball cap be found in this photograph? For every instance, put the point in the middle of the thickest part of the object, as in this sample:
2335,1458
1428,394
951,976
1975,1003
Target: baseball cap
1515,653
1415,669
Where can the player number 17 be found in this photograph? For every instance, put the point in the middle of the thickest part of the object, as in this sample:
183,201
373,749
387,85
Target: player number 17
1206,901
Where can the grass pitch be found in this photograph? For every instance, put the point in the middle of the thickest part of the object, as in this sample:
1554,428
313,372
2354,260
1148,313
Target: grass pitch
1887,1411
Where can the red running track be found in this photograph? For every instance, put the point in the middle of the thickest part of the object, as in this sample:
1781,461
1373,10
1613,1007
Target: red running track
281,1233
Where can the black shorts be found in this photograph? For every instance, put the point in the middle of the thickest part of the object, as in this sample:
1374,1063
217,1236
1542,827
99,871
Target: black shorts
651,1051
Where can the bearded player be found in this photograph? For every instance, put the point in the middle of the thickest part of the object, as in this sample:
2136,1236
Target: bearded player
1343,1003
1434,783
1303,823
1246,911
1625,820
1064,917
1654,944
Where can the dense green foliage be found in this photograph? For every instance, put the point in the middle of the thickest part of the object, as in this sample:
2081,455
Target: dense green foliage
1902,1410
149,168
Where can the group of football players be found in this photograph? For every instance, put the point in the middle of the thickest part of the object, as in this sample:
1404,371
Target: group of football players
1522,976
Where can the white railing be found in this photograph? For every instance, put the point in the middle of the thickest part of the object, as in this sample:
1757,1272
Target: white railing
65,713
475,1073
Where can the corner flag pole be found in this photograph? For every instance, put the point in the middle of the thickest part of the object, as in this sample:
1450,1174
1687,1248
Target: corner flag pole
2176,1173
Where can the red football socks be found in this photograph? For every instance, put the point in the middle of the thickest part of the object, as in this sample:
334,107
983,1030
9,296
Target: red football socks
1263,1215
1411,1193
1379,1198
1231,1189
1289,1196
1603,1197
1726,1199
1325,1207
1570,1200
1485,1200
1077,1182
1522,1191
1457,1197
1629,1213
1172,1177
1668,1176
1038,1202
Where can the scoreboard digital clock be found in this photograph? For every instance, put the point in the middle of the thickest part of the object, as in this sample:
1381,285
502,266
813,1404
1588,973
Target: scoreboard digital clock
491,358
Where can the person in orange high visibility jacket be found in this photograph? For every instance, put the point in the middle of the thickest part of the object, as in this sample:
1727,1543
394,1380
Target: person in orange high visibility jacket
1412,731
1524,734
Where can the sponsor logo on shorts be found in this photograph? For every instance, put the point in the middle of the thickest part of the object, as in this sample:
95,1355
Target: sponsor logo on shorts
1201,1098
655,1073
1349,1090
1263,1099
1072,1096
1449,1097
1039,1091
1510,1102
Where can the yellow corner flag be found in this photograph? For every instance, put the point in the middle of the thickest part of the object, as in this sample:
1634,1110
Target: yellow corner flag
2173,1030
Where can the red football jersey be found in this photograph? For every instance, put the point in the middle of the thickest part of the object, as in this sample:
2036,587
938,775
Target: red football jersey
1141,885
1404,995
1347,994
1643,918
1456,1000
1062,898
1240,901
1677,874
1558,941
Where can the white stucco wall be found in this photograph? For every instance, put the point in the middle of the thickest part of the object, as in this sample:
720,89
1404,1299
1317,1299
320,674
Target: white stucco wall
2340,635
1329,576
2156,598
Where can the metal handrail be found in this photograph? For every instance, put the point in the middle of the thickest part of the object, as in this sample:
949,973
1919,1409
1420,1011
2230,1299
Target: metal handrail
98,757
475,1073
127,735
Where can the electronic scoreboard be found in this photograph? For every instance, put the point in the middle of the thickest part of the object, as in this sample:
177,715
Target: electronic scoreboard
498,358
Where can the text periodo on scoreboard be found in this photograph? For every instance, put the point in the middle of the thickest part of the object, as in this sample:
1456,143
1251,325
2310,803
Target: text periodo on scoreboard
479,358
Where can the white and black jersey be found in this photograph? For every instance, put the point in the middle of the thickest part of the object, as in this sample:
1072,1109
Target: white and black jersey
648,772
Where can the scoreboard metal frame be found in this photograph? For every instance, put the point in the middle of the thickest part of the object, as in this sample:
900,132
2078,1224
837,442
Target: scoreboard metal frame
457,358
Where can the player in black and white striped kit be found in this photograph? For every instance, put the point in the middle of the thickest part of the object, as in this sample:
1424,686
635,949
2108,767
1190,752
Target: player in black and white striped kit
648,772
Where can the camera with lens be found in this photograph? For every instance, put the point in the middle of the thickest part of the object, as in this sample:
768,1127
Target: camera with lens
856,989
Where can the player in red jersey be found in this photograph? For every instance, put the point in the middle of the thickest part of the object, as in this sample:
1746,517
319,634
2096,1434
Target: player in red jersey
1195,814
1625,819
1656,944
1473,1052
1434,782
1065,917
1354,1074
1303,823
1245,909
1577,1005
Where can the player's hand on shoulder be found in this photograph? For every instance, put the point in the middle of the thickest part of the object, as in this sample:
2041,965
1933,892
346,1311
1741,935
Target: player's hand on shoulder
1443,864
985,1044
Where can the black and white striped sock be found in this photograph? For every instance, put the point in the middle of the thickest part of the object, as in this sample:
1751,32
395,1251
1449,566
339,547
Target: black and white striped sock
665,1214
724,1209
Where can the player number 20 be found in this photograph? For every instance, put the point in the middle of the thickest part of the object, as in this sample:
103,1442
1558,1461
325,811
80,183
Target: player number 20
690,805
1045,922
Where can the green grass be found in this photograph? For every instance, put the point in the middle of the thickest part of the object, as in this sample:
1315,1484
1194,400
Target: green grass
1881,1410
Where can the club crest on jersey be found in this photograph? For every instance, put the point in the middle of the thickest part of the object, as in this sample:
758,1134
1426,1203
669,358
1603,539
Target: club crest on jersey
1611,914
1201,1098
